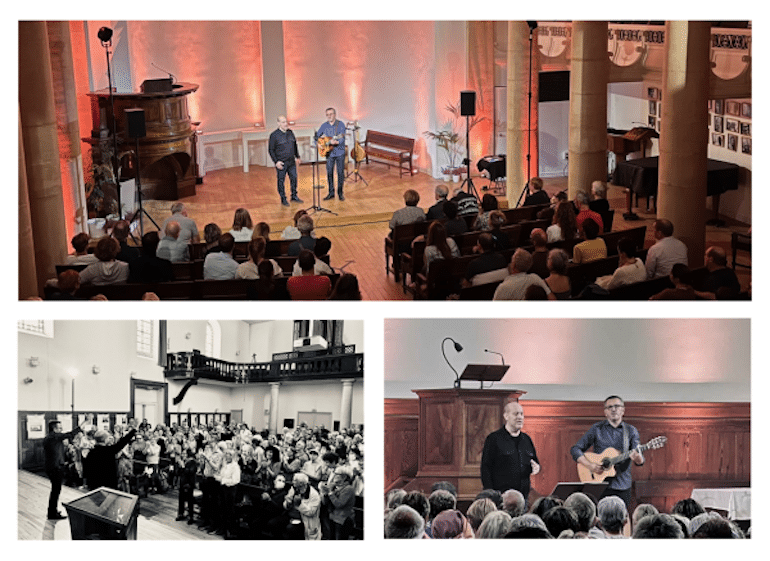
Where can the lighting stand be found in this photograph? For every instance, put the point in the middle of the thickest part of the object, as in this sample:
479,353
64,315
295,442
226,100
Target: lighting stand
532,26
107,44
467,162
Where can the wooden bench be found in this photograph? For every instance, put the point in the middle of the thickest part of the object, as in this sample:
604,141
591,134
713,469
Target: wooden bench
392,148
444,275
400,240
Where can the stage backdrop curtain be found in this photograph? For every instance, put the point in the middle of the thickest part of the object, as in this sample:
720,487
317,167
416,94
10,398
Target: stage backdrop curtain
481,79
377,72
223,57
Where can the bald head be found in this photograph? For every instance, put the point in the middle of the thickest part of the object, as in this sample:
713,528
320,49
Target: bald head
283,124
173,229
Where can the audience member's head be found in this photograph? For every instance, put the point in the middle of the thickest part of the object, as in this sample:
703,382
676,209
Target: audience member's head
394,498
560,518
716,258
564,217
306,261
68,281
538,238
528,526
497,219
450,209
404,523
658,526
107,249
441,192
521,261
419,502
590,229
494,495
322,246
172,229
121,230
211,234
299,214
627,247
494,526
557,261
612,514
663,228
479,510
257,249
150,243
488,203
684,524
689,508
262,229
305,225
599,189
449,524
581,199
514,503
486,242
584,508
446,486
441,500
717,527
681,275
536,184
346,288
265,270
178,208
411,197
80,243
227,242
242,219
544,504
150,296
642,510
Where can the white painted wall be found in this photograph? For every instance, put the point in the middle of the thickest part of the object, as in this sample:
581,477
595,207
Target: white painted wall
578,359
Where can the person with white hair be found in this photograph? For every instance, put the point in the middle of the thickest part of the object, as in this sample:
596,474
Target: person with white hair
188,229
613,515
307,502
404,523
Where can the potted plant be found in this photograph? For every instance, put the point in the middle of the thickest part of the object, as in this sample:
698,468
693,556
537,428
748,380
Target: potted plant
450,138
446,173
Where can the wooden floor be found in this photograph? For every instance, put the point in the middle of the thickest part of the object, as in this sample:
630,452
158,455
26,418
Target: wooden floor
156,514
360,223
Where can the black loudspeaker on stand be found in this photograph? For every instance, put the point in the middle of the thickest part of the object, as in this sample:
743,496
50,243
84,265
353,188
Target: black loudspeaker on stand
468,110
136,129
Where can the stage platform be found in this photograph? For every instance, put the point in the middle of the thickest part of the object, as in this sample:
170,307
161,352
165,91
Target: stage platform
156,514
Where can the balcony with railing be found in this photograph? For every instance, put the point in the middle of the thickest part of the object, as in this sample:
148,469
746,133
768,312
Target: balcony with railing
335,362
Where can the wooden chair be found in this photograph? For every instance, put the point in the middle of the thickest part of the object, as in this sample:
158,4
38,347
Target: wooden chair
400,240
738,242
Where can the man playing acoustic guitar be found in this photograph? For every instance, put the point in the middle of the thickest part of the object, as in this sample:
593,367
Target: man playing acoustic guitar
332,136
612,433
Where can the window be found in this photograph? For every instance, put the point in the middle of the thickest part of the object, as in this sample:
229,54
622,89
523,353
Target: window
213,339
145,338
40,327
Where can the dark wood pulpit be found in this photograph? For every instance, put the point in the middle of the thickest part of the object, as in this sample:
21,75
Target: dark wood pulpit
453,424
167,158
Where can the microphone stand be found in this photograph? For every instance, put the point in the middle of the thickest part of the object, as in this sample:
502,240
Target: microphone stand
502,359
317,182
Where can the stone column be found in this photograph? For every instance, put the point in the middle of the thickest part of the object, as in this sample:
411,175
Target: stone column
27,275
41,149
66,106
589,73
346,403
684,134
522,111
273,425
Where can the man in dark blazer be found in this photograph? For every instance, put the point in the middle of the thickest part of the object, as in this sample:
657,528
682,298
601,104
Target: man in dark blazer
53,446
100,465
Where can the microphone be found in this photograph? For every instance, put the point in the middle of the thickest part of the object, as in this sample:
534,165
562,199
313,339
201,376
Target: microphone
496,353
170,75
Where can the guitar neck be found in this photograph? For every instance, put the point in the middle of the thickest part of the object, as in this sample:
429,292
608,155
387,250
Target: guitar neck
625,455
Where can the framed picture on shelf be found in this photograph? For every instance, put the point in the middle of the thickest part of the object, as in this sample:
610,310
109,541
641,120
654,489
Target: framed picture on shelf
653,110
658,126
746,129
711,104
733,107
719,106
659,109
731,125
717,139
718,124
732,142
653,93
746,145
746,110
651,121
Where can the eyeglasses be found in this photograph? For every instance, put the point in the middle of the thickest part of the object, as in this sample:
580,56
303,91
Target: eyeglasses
613,407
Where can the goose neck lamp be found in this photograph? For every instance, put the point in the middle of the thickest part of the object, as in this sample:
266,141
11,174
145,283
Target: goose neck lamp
458,348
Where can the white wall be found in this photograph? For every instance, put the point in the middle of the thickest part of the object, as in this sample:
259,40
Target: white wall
578,359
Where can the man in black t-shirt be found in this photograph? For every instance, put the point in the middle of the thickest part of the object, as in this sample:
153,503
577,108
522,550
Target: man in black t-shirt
721,282
509,456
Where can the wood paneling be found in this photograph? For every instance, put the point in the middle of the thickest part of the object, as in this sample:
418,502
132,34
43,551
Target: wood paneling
708,443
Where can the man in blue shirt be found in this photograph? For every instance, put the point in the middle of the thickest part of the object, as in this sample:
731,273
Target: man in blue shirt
335,130
611,433
282,148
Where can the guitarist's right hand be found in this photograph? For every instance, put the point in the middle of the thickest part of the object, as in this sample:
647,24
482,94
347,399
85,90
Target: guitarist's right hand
596,468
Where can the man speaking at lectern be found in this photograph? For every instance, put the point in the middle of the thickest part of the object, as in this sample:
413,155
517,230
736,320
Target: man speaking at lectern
509,456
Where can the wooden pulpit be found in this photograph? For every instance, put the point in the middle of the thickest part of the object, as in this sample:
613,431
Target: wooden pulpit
453,424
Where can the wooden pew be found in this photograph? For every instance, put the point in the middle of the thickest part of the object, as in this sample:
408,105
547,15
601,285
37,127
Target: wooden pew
400,240
391,148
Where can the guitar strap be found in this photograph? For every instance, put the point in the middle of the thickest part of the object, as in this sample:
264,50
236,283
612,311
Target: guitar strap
625,438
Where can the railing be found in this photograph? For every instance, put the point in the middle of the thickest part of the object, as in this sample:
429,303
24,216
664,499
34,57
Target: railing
307,365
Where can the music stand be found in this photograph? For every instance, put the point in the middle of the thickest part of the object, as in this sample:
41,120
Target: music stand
317,183
482,373
595,490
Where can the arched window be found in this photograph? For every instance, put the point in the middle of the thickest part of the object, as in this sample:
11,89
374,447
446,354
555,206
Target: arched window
213,339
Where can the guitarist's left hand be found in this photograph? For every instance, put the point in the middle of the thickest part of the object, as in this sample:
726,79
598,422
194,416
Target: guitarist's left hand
535,467
637,457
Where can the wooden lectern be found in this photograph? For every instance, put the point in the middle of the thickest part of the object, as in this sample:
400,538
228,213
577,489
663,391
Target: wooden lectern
453,424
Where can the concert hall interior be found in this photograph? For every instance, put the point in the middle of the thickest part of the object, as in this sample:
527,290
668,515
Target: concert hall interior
688,380
553,97
292,385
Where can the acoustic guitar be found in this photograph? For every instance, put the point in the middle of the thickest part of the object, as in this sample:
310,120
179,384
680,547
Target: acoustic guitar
609,458
325,145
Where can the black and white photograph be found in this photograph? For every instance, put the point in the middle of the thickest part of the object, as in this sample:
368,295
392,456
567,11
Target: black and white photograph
746,145
653,107
718,123
208,430
745,129
719,106
732,142
746,110
733,107
732,125
717,139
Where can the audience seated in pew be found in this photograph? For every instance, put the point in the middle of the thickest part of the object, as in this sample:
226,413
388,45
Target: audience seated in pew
120,232
583,212
81,256
454,225
436,212
630,268
306,240
564,225
320,251
593,248
261,229
242,226
220,265
107,270
410,213
536,195
515,284
291,232
211,235
665,252
188,229
578,517
721,282
681,276
308,286
148,267
488,204
598,202
496,222
489,260
540,252
250,269
68,283
557,279
172,246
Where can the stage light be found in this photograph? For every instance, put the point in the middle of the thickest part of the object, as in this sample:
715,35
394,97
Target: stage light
104,34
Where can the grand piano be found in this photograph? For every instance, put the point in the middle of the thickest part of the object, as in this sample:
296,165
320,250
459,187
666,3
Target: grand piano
167,157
